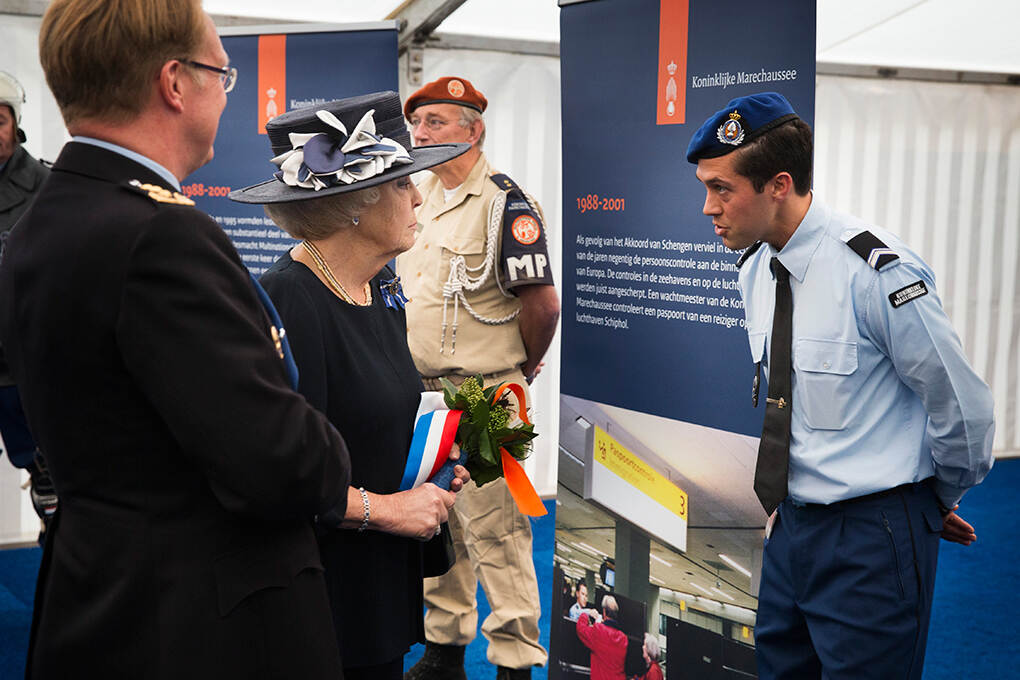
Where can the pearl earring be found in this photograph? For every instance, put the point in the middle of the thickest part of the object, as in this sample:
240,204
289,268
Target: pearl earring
355,220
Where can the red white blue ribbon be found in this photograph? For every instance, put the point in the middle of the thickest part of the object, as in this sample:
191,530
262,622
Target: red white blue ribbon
434,431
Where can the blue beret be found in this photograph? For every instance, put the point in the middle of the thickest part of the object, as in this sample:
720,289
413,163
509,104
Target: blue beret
743,119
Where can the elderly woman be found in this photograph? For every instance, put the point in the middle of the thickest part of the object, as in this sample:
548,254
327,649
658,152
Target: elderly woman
344,191
650,650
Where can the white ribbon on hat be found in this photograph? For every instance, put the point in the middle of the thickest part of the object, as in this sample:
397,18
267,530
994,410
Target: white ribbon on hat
372,159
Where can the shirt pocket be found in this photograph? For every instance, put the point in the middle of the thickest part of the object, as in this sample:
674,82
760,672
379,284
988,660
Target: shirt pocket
472,248
824,380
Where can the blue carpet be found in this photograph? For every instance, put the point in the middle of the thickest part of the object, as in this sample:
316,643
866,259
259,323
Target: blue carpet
973,622
476,665
17,590
972,629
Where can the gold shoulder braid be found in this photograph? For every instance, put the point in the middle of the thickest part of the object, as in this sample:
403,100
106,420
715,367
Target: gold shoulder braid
161,194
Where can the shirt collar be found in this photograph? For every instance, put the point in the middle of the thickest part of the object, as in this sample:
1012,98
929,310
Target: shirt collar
797,253
136,157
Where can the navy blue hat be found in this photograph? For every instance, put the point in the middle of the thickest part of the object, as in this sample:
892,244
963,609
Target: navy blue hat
743,119
341,146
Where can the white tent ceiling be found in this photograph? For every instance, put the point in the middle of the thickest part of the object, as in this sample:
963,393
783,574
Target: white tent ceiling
937,34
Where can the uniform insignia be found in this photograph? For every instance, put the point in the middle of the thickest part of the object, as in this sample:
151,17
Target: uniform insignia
748,253
455,88
526,230
731,131
277,340
393,293
900,297
161,194
871,249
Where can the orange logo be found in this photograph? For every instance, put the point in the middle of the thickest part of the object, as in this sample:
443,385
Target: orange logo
672,97
526,229
456,88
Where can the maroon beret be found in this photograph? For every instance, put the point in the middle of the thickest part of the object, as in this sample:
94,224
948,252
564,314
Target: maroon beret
448,90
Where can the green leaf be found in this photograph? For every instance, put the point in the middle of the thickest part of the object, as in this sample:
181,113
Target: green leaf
480,414
485,449
486,475
449,392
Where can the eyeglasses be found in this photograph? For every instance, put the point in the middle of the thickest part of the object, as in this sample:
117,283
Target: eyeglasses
431,122
228,74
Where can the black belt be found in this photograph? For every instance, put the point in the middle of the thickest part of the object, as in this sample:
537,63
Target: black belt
909,486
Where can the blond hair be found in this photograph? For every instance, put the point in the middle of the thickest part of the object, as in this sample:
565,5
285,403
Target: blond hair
101,56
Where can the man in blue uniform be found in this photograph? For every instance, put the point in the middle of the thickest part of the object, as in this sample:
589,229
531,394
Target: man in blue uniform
875,423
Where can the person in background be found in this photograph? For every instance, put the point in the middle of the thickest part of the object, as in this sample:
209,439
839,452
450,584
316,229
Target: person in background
605,639
650,650
580,602
482,302
188,469
344,314
21,175
875,423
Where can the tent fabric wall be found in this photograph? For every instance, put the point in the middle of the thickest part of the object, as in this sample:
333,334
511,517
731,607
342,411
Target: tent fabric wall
522,139
938,164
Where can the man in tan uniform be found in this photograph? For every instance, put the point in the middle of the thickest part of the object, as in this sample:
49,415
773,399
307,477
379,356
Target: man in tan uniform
482,301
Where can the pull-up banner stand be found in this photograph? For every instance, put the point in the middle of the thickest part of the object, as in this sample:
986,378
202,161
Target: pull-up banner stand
655,364
281,68
652,318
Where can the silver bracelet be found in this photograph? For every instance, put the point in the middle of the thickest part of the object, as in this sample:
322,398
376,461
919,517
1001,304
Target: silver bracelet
367,508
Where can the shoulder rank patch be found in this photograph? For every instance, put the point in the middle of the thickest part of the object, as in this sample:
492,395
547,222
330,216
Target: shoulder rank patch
872,250
523,256
748,253
900,297
160,194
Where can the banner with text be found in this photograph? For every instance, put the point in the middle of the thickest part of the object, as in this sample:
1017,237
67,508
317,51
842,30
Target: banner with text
652,318
279,71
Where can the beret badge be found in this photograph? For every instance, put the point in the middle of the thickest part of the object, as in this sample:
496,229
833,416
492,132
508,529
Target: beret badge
731,131
455,88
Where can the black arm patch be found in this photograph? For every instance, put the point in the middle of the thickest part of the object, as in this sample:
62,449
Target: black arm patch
524,257
748,253
872,250
904,295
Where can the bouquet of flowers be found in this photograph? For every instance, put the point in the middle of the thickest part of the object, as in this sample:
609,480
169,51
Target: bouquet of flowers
488,426
492,430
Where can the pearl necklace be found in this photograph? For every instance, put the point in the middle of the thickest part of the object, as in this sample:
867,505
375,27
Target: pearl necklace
332,281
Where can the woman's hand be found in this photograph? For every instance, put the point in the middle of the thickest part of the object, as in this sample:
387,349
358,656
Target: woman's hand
460,474
417,513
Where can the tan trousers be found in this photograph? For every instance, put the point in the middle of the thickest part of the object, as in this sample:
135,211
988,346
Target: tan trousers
492,540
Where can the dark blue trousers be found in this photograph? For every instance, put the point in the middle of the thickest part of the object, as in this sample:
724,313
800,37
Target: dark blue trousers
846,589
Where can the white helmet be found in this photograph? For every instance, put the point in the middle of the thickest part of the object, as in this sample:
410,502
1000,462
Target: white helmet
12,95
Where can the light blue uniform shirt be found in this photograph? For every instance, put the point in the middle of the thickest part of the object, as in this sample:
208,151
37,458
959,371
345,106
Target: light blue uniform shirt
136,157
882,395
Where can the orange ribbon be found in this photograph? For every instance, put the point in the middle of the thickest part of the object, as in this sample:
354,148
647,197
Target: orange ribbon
520,486
522,399
517,481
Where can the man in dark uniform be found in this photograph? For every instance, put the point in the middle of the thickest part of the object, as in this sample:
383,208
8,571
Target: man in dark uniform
20,174
188,469
20,179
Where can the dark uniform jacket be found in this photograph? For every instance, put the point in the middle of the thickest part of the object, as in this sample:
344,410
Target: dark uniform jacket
188,471
19,180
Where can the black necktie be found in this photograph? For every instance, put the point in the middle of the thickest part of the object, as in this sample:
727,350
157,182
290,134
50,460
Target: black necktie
774,450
